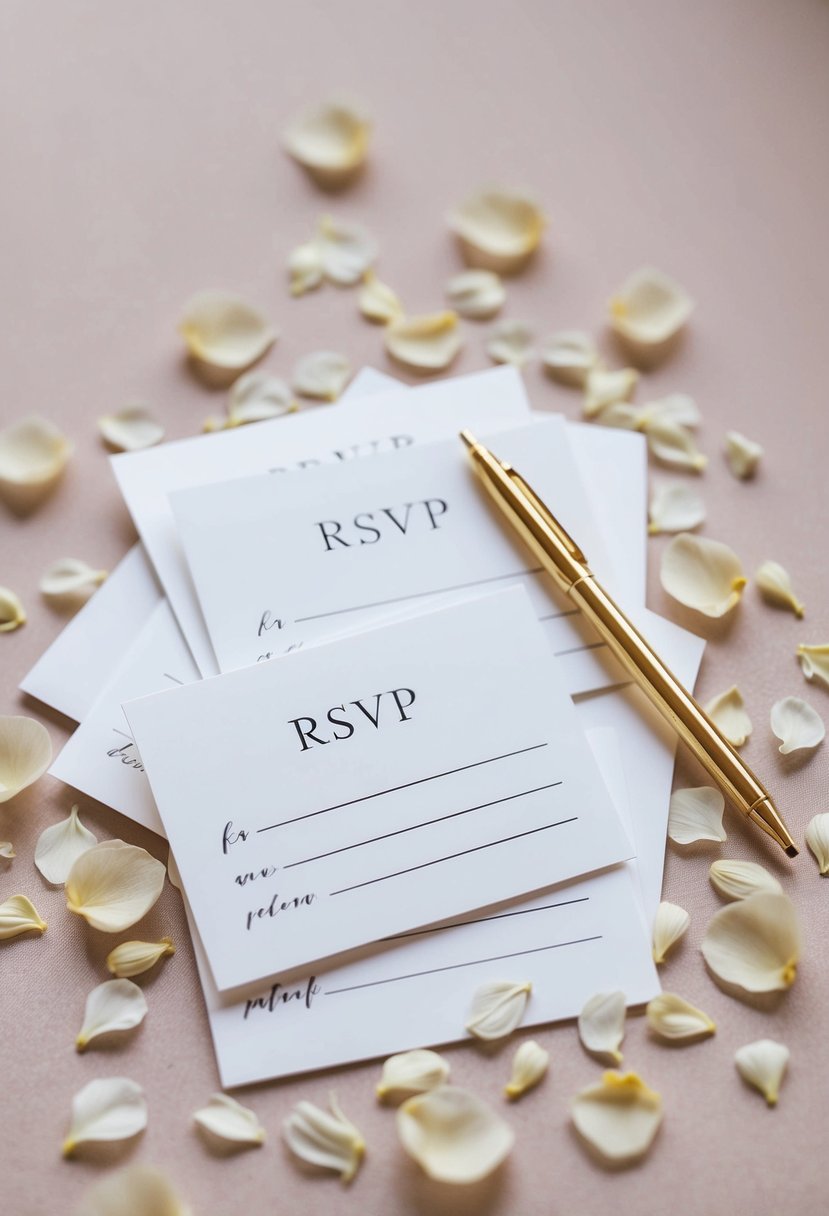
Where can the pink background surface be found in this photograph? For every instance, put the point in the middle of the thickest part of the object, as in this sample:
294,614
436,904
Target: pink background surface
141,163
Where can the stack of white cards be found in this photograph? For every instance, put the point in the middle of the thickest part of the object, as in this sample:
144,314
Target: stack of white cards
391,760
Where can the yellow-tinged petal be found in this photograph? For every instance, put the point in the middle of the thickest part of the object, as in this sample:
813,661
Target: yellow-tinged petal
675,507
648,310
412,1072
814,662
796,724
223,334
453,1135
305,269
346,250
377,301
25,754
327,1139
322,375
19,915
497,1008
763,1065
739,879
670,923
498,230
529,1066
696,814
728,712
754,944
676,407
604,387
135,1191
743,455
113,885
619,1116
59,846
69,582
131,429
775,585
427,343
673,444
12,612
510,342
330,141
673,1018
817,838
257,396
602,1025
476,294
227,1119
7,850
134,958
569,356
33,456
113,1006
703,574
108,1108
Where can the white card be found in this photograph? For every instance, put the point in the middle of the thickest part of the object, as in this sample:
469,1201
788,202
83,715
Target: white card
440,757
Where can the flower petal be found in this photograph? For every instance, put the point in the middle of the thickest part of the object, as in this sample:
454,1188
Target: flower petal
134,958
109,1108
113,885
569,356
817,838
696,814
619,1116
428,343
796,725
676,407
739,879
412,1072
529,1065
112,1006
19,915
33,455
763,1065
60,845
498,229
226,1118
672,1017
673,444
12,612
25,754
604,387
328,1140
134,1191
305,269
7,850
743,455
775,585
223,333
602,1025
330,141
322,374
675,507
670,923
131,429
814,662
728,712
497,1008
705,575
377,302
649,309
754,944
453,1135
510,342
70,581
346,250
476,294
257,396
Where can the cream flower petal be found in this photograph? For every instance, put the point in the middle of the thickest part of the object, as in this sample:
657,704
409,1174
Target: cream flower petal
649,308
619,1116
604,387
453,1135
676,407
33,455
675,507
817,838
25,754
346,250
814,662
427,343
673,444
322,374
305,269
743,454
113,885
328,1140
728,712
796,725
529,1065
672,1017
510,342
134,958
134,1191
131,429
330,141
60,845
705,575
498,229
763,1065
670,923
257,396
775,585
602,1025
476,294
223,333
497,1008
109,1108
12,612
696,814
376,300
70,581
754,944
569,356
623,416
412,1072
226,1118
7,850
739,879
113,1006
19,915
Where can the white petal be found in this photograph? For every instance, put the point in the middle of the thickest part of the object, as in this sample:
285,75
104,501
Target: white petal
763,1065
649,309
346,250
728,712
705,575
623,416
377,302
428,343
112,1006
670,923
223,333
134,1191
25,754
70,581
673,444
7,850
19,915
60,845
603,387
743,454
814,662
130,429
257,396
109,1108
569,356
672,1017
619,1116
476,294
330,141
739,879
497,1008
12,612
412,1072
453,1135
328,1140
498,229
817,838
775,584
134,958
696,814
796,724
113,885
602,1025
675,507
754,944
33,455
510,342
322,374
229,1120
305,268
676,407
529,1065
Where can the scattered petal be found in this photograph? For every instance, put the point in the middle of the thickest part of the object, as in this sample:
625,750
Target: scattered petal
497,1008
328,1140
619,1116
673,444
705,575
817,838
670,923
229,1120
453,1135
19,915
602,1025
675,507
476,294
12,612
322,374
134,958
109,1108
529,1065
257,396
25,754
649,309
305,269
510,342
60,845
676,407
113,885
131,429
428,343
672,1017
696,814
743,455
498,230
70,581
623,416
412,1072
775,585
603,387
223,334
330,141
569,356
754,943
739,879
346,250
7,850
33,455
134,1191
796,724
112,1006
728,712
763,1065
377,301
814,662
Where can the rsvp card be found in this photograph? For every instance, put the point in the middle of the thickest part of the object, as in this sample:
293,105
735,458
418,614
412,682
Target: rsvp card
372,786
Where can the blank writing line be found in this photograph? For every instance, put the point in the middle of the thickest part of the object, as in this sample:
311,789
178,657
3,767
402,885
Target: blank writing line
358,844
393,790
451,856
475,962
578,649
556,616
481,920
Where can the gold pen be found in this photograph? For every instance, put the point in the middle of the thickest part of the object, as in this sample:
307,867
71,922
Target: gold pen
561,557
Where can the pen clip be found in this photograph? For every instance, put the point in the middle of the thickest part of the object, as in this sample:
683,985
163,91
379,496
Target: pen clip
544,511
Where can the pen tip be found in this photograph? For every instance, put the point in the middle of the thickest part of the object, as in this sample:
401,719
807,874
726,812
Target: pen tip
791,851
468,438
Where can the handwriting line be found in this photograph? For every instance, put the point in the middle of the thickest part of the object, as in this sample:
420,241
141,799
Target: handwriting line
482,920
